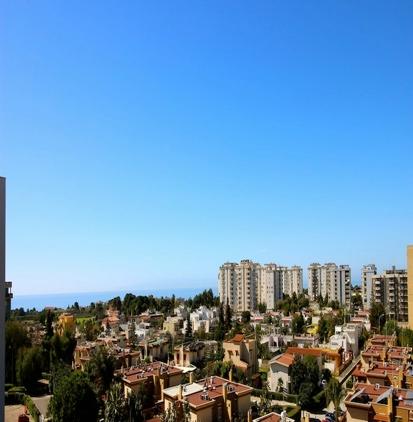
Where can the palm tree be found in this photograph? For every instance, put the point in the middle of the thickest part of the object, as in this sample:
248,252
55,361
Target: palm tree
335,393
115,406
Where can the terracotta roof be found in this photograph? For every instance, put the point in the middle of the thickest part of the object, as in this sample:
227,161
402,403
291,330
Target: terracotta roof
285,359
238,338
135,374
213,388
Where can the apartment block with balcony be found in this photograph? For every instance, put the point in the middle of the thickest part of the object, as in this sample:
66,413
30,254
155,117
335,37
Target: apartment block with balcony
367,273
330,280
247,284
390,289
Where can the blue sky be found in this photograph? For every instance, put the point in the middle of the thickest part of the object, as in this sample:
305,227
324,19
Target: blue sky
146,143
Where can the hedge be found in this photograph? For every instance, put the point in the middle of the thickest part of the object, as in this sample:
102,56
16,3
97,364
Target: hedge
275,395
295,413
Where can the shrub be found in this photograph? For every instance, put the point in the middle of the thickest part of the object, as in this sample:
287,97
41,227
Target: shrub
33,410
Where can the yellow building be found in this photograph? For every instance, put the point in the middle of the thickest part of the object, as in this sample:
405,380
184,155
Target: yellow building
66,323
410,284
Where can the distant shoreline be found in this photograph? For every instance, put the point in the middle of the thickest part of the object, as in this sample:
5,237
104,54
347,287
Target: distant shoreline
63,300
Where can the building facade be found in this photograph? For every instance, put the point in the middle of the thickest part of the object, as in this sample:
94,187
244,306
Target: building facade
331,281
410,284
390,289
367,273
247,284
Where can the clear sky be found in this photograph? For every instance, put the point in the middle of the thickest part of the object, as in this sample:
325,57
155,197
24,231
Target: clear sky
147,142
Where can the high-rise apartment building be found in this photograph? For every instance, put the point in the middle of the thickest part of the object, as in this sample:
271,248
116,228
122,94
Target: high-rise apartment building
292,280
410,284
390,289
331,281
247,284
270,286
367,273
314,280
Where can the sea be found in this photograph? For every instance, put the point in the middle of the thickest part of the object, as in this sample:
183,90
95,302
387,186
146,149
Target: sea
64,300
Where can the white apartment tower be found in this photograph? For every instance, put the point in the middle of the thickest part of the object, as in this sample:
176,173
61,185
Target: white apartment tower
247,284
269,289
330,280
367,273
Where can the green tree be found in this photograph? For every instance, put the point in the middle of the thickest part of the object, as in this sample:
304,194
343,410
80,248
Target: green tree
62,348
297,324
16,338
116,406
305,393
245,317
188,329
228,317
335,393
74,399
265,400
262,308
29,367
376,311
100,369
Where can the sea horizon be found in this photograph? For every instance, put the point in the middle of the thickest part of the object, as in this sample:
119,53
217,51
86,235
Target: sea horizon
40,301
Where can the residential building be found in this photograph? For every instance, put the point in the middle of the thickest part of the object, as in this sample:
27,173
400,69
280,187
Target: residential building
346,337
247,284
155,377
203,319
211,399
66,323
292,280
410,284
372,403
367,273
270,288
314,281
189,353
331,281
274,417
390,289
242,352
278,377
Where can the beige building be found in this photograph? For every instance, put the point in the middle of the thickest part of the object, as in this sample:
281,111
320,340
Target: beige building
330,280
269,289
209,400
154,377
187,354
390,289
410,284
247,284
242,352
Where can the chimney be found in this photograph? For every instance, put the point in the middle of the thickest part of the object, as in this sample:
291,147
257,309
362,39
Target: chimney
180,394
230,374
249,415
191,377
224,391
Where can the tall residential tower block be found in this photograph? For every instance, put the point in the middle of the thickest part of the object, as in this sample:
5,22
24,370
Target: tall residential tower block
410,284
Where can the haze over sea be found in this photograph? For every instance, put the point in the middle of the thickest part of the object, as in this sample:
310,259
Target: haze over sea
63,300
